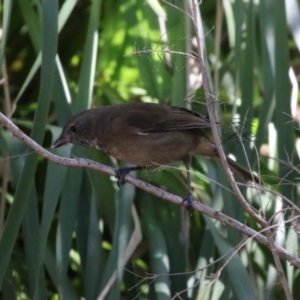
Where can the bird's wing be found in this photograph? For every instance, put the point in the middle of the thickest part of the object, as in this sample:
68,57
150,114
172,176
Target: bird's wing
181,119
161,118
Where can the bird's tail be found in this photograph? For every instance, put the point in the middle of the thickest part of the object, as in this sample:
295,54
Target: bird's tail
241,171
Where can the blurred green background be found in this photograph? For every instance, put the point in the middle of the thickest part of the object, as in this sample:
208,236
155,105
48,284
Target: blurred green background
70,233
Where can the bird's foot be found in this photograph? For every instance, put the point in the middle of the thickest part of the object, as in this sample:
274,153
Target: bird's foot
121,174
188,202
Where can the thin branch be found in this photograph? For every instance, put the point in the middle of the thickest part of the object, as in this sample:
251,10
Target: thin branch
262,221
178,8
212,277
218,37
278,265
135,239
164,51
4,163
210,109
275,255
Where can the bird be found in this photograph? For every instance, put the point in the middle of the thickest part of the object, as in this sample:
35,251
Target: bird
147,134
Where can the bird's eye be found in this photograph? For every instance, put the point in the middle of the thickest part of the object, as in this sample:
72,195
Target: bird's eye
73,128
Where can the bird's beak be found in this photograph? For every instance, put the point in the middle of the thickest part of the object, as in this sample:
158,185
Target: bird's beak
60,142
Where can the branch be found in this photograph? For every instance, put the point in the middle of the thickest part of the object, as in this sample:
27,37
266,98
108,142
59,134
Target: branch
210,109
86,163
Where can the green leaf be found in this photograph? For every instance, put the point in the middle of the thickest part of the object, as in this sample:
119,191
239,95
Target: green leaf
239,279
49,45
87,73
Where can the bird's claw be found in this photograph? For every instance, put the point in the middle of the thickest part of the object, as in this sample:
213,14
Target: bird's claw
188,203
120,176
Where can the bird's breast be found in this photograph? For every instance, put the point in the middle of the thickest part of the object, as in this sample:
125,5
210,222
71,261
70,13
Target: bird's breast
99,145
157,148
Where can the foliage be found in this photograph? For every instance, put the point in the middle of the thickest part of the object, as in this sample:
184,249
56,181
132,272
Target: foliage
67,231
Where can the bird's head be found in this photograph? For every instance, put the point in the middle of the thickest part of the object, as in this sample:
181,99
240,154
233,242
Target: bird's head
77,131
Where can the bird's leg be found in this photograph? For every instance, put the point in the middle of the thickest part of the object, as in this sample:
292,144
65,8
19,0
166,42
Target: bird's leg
188,199
122,172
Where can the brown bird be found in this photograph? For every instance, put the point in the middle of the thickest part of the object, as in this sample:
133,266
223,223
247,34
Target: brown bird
146,134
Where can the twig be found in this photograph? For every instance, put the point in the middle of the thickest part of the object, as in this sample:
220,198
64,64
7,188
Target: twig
135,239
270,238
164,51
5,163
178,8
210,108
229,174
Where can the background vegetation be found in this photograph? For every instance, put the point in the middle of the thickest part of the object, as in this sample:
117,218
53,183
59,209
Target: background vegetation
65,232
